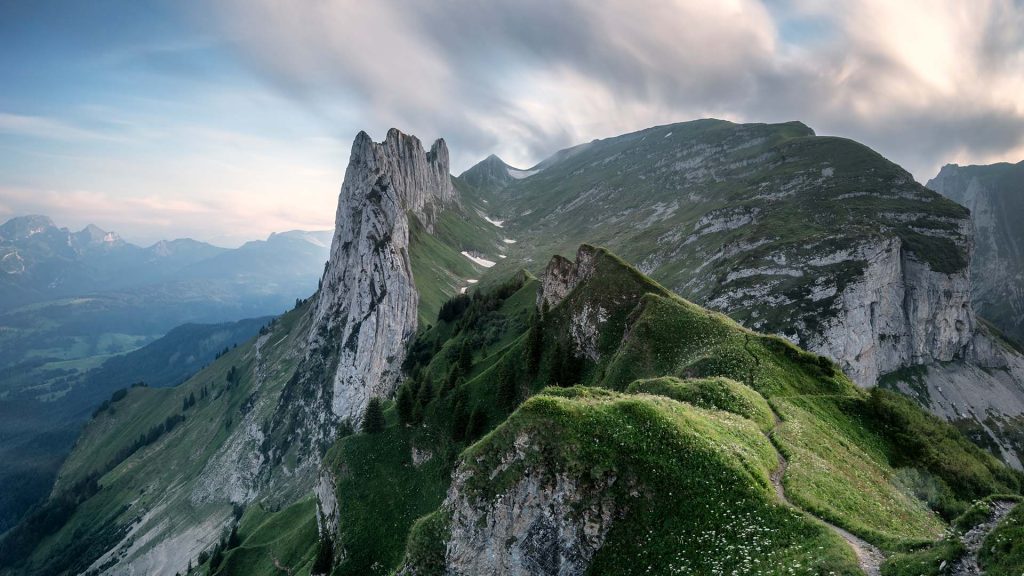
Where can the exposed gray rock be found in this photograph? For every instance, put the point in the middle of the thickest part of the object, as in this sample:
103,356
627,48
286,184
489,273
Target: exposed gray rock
995,196
561,276
367,301
546,523
898,313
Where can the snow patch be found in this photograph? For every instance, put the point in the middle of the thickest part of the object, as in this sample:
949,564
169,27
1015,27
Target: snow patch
520,174
478,261
667,135
498,223
508,241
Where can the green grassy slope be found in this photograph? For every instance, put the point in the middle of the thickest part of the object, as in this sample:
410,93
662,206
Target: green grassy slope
702,436
720,212
834,434
667,457
154,450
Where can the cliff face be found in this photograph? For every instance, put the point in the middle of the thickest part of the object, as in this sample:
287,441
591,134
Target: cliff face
995,196
819,239
367,301
898,313
541,525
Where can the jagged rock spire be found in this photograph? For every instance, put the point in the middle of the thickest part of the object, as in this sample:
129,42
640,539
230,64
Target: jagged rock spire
366,309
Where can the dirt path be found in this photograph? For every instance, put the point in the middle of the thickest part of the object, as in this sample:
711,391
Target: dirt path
968,565
869,557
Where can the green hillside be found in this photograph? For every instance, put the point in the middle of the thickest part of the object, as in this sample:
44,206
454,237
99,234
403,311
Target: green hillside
761,220
470,371
654,427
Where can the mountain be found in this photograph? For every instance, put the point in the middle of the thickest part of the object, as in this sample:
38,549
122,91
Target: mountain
100,297
995,196
42,261
585,420
818,239
38,433
70,302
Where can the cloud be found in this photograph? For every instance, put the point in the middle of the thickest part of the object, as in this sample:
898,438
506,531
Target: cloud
46,128
921,81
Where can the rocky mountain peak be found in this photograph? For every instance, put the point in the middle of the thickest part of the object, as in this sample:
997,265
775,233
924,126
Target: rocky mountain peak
366,309
562,275
491,172
93,236
21,227
420,179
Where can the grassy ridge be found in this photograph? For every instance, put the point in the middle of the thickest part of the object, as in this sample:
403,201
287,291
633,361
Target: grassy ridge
721,393
176,464
849,460
665,455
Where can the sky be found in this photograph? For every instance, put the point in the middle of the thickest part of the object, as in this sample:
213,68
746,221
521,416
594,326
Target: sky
226,121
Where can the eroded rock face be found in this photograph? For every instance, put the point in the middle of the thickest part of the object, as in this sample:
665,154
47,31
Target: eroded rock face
562,276
898,313
995,196
544,524
366,307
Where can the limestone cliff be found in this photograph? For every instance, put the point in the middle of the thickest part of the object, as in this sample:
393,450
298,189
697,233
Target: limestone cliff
366,308
898,313
995,196
367,300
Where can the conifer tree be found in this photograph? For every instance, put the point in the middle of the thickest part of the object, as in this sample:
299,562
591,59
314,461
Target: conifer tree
534,346
477,424
507,393
460,417
373,418
406,406
465,362
324,558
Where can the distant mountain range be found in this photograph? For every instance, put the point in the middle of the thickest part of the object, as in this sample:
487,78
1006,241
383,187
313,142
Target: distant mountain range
71,302
39,262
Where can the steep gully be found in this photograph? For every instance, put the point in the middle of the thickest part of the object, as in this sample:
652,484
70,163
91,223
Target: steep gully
968,565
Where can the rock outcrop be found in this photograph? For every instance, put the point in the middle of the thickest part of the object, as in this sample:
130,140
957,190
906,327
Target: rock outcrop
367,304
544,524
995,196
898,313
562,275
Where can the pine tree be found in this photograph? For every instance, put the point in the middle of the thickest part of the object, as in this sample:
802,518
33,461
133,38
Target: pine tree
534,346
406,406
477,424
455,376
373,417
216,558
324,558
556,370
426,393
465,362
460,419
507,393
